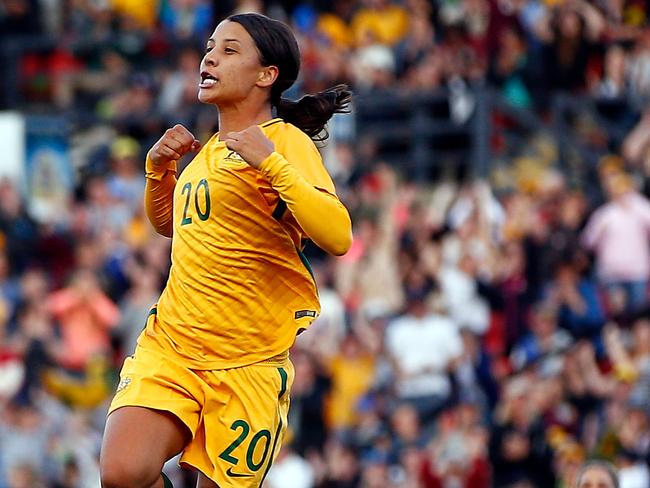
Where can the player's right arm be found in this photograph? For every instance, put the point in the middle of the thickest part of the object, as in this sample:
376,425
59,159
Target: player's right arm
160,173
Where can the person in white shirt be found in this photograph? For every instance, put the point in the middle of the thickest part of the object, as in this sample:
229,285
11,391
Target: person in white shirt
618,232
424,348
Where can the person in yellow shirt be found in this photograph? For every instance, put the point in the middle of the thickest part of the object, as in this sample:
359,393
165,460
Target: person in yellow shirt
379,21
347,388
211,375
142,13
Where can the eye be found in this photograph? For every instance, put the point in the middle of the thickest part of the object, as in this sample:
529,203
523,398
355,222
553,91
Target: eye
208,49
229,50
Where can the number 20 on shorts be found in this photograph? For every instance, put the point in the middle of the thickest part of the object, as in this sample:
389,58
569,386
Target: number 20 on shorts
263,436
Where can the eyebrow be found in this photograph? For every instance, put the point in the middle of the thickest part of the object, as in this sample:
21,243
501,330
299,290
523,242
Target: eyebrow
225,40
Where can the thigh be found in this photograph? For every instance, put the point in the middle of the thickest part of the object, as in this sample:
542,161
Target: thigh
142,436
243,423
152,418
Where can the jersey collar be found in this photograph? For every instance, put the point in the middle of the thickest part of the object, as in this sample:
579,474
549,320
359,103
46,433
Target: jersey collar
263,125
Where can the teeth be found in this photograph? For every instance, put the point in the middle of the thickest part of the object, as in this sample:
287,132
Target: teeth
208,82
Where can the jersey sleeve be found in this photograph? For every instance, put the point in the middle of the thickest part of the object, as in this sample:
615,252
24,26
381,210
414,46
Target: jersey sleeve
159,196
301,152
304,185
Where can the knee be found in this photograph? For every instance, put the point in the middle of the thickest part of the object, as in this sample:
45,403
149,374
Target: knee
122,472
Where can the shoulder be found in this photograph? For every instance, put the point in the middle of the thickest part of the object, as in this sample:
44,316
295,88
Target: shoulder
298,148
638,200
600,213
288,135
398,325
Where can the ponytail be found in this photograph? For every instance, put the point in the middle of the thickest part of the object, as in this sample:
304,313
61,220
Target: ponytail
311,112
277,46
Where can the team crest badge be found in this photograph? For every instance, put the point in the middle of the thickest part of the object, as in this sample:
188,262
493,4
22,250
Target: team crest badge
234,158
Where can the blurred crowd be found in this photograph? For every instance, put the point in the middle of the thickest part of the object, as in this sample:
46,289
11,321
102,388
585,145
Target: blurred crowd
480,332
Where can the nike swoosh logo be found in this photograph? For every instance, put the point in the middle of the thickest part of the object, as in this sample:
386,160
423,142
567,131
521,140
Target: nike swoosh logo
237,475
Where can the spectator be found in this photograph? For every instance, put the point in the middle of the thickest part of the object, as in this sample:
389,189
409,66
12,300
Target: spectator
308,416
460,455
424,348
460,293
419,41
135,307
379,21
576,31
618,234
580,309
545,342
346,389
17,226
143,14
185,19
126,184
597,473
178,88
518,448
512,70
25,437
85,315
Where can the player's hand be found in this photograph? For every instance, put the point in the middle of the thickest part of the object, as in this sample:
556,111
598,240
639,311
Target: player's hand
173,145
251,144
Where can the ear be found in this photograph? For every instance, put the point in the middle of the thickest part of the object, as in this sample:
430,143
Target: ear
267,76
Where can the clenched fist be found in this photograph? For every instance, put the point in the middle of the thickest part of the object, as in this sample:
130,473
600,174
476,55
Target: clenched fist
251,144
173,145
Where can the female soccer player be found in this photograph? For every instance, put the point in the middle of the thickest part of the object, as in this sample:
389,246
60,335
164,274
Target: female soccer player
211,375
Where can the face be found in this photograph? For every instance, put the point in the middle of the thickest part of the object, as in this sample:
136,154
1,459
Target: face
615,61
570,24
641,330
231,69
566,275
543,323
595,477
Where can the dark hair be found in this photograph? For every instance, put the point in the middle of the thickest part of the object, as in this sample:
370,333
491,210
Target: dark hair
604,465
277,46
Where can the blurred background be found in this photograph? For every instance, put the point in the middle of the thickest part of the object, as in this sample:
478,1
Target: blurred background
490,325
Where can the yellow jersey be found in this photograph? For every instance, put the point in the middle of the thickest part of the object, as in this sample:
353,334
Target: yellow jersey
239,288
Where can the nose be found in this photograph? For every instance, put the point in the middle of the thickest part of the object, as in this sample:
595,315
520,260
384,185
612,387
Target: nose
209,59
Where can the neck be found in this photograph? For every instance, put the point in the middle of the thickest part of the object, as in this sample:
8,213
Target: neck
236,118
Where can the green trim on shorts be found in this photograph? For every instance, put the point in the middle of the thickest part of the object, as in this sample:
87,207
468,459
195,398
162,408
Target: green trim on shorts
275,443
285,377
283,389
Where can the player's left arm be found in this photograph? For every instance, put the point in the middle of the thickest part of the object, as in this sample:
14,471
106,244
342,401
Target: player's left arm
308,192
318,212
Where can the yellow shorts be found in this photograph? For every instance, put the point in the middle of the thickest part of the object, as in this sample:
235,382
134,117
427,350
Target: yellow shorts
237,417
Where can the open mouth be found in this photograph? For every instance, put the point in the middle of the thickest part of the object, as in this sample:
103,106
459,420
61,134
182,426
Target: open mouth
207,80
